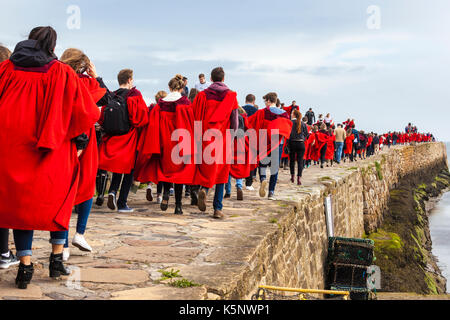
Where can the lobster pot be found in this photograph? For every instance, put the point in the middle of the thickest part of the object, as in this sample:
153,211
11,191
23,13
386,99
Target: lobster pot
348,275
350,251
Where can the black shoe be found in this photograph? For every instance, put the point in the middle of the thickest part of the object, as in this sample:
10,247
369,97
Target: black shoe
165,202
5,263
112,201
57,267
178,209
24,276
149,195
227,196
187,194
100,200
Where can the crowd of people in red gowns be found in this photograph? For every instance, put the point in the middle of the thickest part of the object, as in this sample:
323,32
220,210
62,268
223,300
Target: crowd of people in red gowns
65,135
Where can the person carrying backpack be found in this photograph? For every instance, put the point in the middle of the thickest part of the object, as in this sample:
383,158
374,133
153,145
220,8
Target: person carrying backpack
121,119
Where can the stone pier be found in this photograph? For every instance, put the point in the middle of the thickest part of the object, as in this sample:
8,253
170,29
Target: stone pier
281,243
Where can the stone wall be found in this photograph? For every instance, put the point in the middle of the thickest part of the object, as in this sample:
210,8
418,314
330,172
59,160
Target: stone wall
294,254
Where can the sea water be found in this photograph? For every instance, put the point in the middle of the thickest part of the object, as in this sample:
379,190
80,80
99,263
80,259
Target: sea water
440,233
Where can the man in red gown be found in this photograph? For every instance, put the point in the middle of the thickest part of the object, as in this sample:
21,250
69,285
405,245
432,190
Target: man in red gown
215,110
277,127
118,153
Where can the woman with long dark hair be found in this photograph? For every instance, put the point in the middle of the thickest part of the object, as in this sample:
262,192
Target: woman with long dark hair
40,144
299,135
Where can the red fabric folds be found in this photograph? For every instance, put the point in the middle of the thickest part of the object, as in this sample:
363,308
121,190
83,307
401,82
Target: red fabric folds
89,157
265,120
155,162
214,116
39,166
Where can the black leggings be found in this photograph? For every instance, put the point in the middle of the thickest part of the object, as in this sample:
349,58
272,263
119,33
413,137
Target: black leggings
323,151
124,189
4,238
297,153
178,191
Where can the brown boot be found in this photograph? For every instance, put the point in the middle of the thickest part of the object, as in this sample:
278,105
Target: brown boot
299,181
218,215
293,178
240,195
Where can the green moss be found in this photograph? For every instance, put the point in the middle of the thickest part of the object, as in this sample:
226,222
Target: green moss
386,243
379,170
183,283
273,220
169,274
325,179
143,186
431,284
352,168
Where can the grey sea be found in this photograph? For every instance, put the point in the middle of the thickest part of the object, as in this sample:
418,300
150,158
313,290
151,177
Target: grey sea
440,232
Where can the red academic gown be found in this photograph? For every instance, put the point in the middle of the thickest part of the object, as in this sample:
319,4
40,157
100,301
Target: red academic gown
118,153
41,110
349,144
212,109
320,140
240,168
264,119
154,162
329,154
89,157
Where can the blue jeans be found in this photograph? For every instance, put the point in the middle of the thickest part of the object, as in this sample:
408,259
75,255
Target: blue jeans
238,185
273,177
24,241
83,210
218,196
339,149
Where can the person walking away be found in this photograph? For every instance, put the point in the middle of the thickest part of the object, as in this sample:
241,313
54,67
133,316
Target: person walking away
269,119
216,108
349,143
87,72
7,258
159,186
250,109
299,134
340,139
155,161
40,145
118,149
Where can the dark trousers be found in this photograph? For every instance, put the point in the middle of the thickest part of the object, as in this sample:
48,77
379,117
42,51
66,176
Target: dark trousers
323,151
297,153
159,187
124,189
178,191
249,180
4,239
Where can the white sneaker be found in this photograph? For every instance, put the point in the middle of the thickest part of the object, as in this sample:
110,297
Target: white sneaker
80,242
159,199
250,188
66,254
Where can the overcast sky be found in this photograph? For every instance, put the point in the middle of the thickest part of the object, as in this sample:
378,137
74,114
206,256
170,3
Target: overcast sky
320,53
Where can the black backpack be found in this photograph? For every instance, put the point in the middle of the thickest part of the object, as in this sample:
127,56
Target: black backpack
115,117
